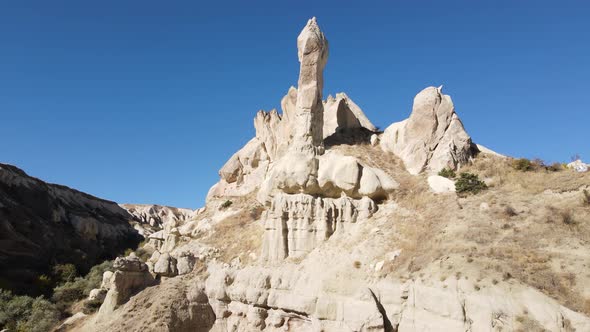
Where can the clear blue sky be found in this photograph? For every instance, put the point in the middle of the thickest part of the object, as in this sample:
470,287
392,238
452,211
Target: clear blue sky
143,101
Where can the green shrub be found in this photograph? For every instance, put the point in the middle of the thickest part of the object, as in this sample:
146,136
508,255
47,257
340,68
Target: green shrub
65,272
43,317
13,309
447,173
65,295
70,292
469,184
226,204
522,164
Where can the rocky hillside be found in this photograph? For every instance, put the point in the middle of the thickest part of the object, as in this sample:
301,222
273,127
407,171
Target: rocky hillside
44,224
322,223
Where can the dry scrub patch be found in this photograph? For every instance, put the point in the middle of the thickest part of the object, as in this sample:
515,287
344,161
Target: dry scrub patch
239,234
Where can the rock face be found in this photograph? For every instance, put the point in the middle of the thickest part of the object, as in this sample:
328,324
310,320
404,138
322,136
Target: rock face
296,224
260,299
43,224
152,218
341,113
432,138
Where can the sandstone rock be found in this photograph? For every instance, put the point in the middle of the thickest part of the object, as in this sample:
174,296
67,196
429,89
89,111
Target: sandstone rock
439,184
485,150
296,224
578,166
185,263
312,51
166,266
130,277
432,138
152,218
374,140
97,295
337,174
341,113
106,280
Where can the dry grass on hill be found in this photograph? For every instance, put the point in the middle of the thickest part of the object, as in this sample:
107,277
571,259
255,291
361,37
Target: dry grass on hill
239,234
532,227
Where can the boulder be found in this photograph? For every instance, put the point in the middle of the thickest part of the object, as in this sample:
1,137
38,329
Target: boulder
131,276
185,263
439,184
432,138
166,266
578,166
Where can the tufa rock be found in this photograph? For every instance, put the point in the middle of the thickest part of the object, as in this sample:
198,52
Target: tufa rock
432,138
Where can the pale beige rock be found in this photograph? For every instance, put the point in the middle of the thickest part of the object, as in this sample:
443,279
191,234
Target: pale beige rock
185,263
374,140
337,174
485,150
432,138
375,183
296,224
312,51
131,276
341,113
166,265
440,185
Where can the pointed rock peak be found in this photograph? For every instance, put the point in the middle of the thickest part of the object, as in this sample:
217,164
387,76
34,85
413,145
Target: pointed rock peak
311,39
440,89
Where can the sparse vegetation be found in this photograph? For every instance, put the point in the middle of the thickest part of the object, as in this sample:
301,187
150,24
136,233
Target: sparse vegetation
567,217
522,164
469,183
226,204
586,198
447,173
357,264
26,314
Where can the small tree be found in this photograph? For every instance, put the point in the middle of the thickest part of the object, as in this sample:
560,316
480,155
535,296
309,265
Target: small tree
522,164
447,173
469,184
65,272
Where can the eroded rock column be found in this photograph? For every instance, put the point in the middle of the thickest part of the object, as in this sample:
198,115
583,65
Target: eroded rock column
312,48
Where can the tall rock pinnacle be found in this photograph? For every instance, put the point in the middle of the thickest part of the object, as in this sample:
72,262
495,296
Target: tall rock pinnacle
312,48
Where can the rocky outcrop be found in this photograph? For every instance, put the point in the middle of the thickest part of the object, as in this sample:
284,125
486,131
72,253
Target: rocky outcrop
43,224
341,114
432,138
150,218
131,276
260,299
296,224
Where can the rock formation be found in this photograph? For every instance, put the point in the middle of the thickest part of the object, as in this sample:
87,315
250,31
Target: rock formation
432,138
151,218
341,113
329,234
131,276
43,224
